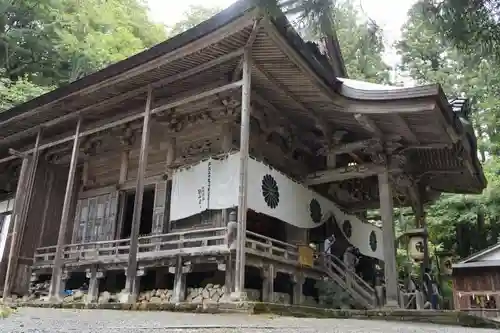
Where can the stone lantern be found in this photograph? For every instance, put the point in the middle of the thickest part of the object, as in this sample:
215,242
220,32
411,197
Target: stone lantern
445,262
416,245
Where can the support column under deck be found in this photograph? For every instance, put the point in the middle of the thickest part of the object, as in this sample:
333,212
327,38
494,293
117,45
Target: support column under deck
94,276
239,287
136,216
55,282
268,275
390,267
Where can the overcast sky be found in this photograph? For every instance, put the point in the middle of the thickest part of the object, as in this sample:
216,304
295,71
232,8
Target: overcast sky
389,14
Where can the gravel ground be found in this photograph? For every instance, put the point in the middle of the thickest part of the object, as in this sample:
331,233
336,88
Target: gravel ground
107,321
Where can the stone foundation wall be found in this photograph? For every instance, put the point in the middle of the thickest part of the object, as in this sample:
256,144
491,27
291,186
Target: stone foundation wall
211,293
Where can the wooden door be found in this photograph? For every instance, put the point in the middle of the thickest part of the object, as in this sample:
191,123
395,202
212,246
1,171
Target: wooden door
95,218
160,204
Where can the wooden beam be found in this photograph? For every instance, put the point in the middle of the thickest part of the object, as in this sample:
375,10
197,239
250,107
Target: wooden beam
320,122
55,282
197,45
350,147
127,95
239,286
130,285
128,119
341,174
368,124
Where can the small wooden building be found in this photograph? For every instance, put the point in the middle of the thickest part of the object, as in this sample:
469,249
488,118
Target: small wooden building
215,156
476,283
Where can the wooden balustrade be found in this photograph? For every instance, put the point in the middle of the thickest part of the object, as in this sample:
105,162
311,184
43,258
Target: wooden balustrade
118,250
272,248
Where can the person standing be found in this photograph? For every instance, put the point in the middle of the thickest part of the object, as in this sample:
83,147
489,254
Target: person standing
328,244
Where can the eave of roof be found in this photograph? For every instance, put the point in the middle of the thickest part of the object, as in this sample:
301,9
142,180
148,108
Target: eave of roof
476,255
318,62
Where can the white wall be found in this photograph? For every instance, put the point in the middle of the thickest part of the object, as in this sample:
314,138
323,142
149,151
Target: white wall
5,207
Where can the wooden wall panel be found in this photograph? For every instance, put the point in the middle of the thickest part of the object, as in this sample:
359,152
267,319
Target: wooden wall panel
56,201
35,213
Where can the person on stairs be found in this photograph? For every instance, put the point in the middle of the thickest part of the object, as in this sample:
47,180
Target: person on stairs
328,244
350,261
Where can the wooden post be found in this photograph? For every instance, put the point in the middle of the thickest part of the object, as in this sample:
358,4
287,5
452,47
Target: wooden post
386,212
16,215
226,145
139,192
242,195
124,157
55,282
20,220
171,155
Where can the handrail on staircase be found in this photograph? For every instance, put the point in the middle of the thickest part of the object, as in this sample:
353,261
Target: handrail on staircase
338,267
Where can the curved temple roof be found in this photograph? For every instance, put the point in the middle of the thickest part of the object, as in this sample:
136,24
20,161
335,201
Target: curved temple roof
291,80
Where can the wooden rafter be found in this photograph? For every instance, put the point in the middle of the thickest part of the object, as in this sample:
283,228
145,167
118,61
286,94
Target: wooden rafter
320,122
350,172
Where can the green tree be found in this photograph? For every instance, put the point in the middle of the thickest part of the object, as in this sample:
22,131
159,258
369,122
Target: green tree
464,223
46,43
361,43
191,18
472,25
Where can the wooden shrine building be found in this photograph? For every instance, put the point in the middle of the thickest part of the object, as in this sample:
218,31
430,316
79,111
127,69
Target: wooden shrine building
476,283
220,151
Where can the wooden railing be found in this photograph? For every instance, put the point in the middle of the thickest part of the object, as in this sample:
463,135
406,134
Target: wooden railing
349,280
493,314
190,241
271,248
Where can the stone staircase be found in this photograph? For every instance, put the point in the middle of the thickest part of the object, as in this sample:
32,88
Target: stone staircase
361,292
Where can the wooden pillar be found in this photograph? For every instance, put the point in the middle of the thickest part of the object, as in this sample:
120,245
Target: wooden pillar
171,156
268,274
180,271
243,179
18,205
55,282
389,251
20,220
226,146
124,158
298,286
94,276
139,191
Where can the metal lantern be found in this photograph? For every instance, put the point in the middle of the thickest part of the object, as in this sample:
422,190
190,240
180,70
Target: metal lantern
445,262
416,239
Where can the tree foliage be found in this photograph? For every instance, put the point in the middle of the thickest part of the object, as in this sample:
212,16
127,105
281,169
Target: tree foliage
360,39
46,43
462,223
472,25
192,17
